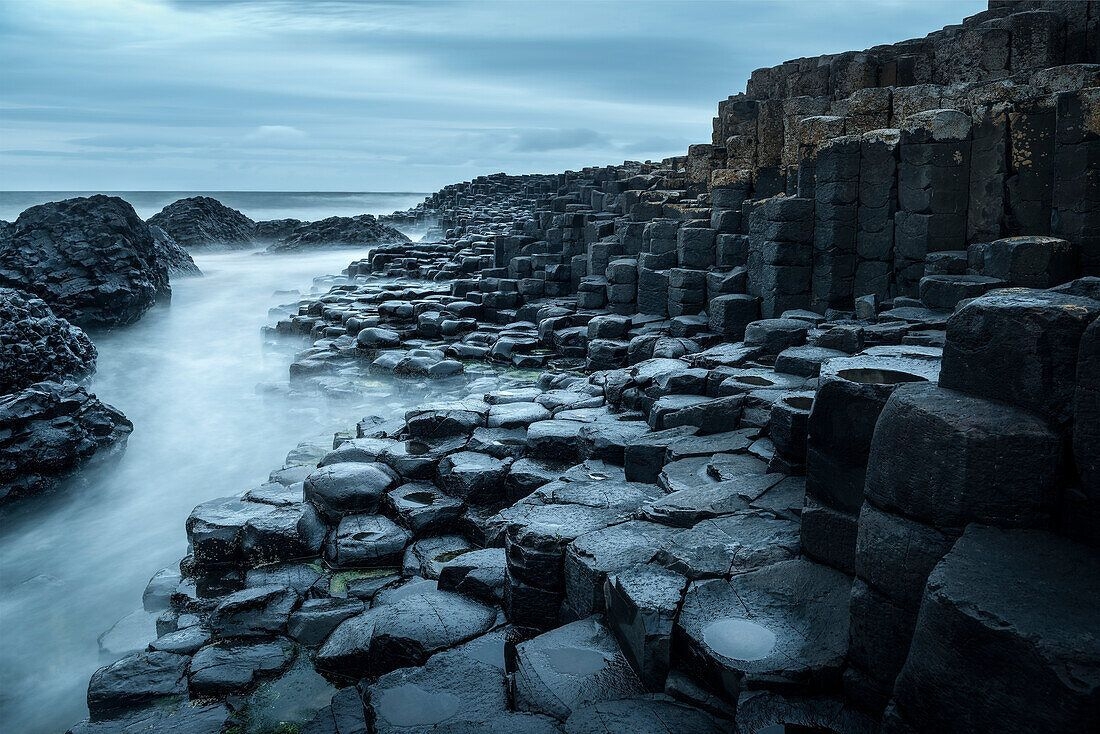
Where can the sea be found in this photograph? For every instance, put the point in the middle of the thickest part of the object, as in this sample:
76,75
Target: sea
308,206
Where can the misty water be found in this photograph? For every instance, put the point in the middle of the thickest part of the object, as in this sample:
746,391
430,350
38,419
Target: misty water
213,416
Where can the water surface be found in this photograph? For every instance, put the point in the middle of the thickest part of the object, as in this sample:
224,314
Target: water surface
75,561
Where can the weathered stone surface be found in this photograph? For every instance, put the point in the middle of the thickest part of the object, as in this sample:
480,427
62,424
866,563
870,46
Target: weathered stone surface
635,715
947,459
224,668
137,680
255,612
402,633
48,430
785,624
200,221
91,259
1019,347
35,345
573,666
356,231
365,541
1006,638
347,488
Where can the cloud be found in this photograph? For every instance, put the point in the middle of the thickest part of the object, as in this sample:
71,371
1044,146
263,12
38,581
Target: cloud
276,134
336,94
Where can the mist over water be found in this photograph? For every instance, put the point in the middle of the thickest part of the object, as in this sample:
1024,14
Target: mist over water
75,561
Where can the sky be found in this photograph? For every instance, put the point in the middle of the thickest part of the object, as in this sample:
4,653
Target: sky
388,95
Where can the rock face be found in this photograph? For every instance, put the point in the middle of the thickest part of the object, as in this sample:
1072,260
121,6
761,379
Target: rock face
47,430
91,259
174,257
202,222
338,232
273,230
35,345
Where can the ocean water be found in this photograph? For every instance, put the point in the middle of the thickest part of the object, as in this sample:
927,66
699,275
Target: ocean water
305,205
213,413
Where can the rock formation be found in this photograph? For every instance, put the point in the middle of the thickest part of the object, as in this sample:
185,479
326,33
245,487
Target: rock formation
175,258
203,222
356,231
93,260
813,445
49,429
35,345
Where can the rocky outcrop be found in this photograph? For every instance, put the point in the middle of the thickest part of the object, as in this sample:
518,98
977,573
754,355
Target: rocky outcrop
274,230
358,231
93,260
35,345
48,430
786,375
203,222
175,258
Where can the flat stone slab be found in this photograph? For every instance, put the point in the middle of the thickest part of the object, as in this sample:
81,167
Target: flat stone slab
570,667
785,624
729,545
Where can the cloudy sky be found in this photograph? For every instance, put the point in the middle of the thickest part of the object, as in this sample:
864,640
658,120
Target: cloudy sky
378,95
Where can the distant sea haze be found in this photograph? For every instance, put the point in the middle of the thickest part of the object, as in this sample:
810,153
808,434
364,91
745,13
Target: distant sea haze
259,205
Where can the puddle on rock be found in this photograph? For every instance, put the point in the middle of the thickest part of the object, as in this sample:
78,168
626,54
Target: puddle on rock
739,639
578,661
411,705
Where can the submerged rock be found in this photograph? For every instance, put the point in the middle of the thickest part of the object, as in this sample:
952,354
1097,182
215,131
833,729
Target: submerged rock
49,429
200,221
91,259
35,345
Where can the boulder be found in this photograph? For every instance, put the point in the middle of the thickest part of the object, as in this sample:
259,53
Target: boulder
365,541
225,668
169,252
50,429
91,259
35,345
136,680
347,488
357,231
200,222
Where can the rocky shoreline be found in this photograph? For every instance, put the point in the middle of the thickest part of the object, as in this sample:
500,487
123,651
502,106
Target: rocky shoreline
798,430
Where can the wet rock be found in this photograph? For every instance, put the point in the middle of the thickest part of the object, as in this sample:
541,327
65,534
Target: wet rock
355,231
421,507
427,556
644,457
288,532
187,718
254,612
169,252
35,345
344,715
592,556
478,574
91,259
730,545
760,711
775,335
642,605
377,338
224,668
445,420
641,715
50,429
785,624
315,619
686,507
568,668
200,221
1006,616
136,680
214,529
402,633
556,440
474,478
365,541
346,488
186,641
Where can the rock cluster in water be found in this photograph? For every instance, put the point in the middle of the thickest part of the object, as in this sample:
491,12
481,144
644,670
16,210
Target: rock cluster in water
92,259
814,443
35,345
202,222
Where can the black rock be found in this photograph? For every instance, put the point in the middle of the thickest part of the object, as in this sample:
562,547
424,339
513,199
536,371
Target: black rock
48,430
200,221
91,259
35,345
175,258
273,230
356,231
136,680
